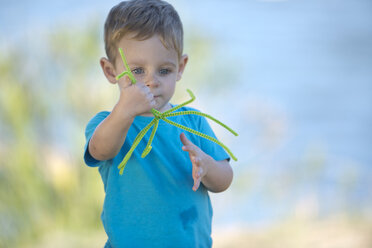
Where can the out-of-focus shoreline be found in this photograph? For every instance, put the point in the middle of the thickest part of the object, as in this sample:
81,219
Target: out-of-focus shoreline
338,231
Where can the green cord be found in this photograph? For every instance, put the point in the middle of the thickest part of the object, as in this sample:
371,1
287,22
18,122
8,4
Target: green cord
134,145
163,116
148,146
202,114
181,105
128,72
201,135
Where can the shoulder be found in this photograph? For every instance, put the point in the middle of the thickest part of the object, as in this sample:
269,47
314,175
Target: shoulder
99,116
186,108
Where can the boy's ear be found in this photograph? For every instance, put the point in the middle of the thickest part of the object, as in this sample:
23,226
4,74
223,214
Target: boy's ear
182,65
108,69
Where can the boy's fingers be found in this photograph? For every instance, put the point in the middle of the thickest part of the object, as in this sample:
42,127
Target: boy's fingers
196,184
185,141
124,82
196,161
189,148
196,173
193,153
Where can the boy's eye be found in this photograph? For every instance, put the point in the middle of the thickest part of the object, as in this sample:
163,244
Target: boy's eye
138,71
164,71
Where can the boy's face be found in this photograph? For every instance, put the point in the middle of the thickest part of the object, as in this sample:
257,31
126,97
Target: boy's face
153,64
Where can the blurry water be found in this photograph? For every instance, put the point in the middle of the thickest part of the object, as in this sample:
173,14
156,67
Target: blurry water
306,68
312,58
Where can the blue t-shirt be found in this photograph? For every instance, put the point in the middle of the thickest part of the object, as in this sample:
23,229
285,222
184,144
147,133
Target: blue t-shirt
152,204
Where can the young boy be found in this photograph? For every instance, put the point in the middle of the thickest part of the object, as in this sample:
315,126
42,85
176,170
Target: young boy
161,200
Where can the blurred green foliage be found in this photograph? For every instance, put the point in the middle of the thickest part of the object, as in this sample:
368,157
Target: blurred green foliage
43,183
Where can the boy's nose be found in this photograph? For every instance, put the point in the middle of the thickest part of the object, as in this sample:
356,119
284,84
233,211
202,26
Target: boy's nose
152,81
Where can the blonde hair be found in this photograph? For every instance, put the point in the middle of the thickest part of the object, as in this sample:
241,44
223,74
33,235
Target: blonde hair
143,19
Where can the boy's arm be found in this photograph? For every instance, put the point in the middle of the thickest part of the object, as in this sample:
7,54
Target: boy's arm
215,175
109,136
219,176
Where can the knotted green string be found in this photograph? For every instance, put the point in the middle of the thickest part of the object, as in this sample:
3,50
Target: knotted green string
163,116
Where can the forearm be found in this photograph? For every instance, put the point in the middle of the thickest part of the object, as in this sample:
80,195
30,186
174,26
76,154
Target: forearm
219,176
110,135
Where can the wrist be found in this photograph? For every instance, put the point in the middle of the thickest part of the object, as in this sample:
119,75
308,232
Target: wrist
209,163
124,110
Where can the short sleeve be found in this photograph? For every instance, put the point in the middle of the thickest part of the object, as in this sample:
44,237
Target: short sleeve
89,130
212,149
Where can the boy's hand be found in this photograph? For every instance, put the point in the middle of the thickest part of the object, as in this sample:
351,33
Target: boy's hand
200,160
137,98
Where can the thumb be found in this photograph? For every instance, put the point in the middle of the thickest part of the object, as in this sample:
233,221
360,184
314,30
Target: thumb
185,141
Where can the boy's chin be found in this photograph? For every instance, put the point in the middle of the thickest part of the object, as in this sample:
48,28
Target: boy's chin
164,108
160,109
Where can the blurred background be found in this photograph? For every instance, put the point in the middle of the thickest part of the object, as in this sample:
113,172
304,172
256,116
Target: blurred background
293,78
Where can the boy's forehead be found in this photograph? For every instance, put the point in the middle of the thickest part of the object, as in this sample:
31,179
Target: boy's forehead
143,48
151,40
